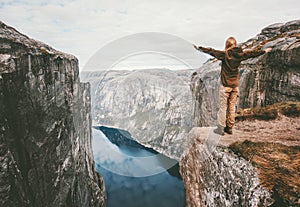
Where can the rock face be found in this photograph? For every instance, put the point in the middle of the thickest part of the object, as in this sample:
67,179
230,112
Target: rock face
265,80
278,167
256,166
215,176
265,170
154,106
45,127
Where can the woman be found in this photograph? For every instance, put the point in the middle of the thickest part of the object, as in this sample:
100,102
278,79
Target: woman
231,58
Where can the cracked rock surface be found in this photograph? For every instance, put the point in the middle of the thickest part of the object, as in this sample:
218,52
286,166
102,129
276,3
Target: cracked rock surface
45,127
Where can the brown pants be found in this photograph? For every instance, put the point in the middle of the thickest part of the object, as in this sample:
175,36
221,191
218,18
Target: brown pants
228,98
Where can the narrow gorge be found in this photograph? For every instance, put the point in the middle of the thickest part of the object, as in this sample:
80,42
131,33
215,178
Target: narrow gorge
47,115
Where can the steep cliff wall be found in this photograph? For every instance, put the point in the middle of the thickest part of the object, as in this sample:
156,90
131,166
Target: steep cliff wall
45,127
256,166
214,176
265,80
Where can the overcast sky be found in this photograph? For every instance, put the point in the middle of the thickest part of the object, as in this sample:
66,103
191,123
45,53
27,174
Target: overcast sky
83,27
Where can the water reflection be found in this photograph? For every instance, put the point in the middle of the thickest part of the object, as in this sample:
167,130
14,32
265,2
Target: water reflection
133,174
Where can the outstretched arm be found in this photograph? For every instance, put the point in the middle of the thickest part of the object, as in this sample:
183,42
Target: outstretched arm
216,53
254,53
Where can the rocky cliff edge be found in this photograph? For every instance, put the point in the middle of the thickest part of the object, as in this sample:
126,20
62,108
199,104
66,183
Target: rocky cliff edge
259,164
45,127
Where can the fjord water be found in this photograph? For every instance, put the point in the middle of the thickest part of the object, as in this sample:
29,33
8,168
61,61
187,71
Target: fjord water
134,175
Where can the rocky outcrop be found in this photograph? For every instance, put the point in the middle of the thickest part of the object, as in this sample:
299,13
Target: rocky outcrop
215,176
154,106
277,166
45,127
256,166
265,80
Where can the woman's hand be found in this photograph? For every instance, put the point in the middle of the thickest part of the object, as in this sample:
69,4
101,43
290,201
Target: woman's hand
268,50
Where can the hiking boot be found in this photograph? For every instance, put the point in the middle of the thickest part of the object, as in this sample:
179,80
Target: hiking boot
219,130
228,130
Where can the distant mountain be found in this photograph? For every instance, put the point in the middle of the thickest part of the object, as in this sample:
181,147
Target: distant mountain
155,106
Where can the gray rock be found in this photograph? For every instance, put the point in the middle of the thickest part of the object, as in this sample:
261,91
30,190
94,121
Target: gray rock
214,176
45,127
292,25
272,30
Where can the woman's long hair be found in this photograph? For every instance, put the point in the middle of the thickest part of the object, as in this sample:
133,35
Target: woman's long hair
230,43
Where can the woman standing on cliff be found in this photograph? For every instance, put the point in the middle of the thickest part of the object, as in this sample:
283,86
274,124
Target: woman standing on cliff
231,58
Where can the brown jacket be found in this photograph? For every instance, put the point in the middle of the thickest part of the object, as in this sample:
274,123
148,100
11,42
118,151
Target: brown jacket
231,60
